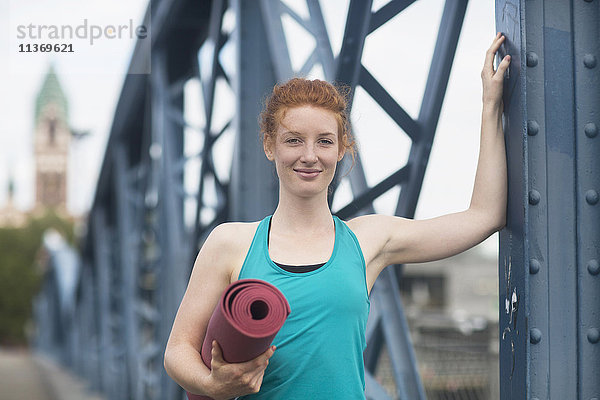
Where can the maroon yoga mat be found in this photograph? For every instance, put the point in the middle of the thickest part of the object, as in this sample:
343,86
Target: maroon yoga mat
244,322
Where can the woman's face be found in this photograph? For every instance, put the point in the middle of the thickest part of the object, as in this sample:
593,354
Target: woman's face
305,150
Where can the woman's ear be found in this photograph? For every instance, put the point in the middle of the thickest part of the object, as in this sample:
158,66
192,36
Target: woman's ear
268,148
342,147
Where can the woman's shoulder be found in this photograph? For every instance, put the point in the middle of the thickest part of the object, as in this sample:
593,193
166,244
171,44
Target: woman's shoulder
232,234
375,228
228,244
369,222
225,248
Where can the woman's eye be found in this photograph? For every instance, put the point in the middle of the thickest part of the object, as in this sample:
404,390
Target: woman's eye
326,141
292,140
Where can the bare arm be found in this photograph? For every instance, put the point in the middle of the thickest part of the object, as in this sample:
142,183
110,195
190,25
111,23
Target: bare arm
211,275
390,240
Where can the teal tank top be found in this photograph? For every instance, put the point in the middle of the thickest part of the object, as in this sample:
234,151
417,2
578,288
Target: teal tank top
320,347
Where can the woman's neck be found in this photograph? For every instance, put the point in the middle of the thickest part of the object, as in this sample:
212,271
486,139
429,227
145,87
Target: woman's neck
301,214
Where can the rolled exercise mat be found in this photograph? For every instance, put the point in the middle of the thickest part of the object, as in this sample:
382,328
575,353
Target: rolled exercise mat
244,322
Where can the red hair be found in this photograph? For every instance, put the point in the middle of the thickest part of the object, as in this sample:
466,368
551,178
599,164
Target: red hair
301,92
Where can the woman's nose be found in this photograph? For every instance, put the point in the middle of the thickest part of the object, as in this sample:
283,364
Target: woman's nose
309,154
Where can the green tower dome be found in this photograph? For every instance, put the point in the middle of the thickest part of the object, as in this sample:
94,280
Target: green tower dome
51,92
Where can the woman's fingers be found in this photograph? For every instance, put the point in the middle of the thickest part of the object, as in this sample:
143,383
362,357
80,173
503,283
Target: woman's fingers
492,79
268,353
216,352
261,362
488,67
254,371
257,382
497,42
491,53
503,66
239,378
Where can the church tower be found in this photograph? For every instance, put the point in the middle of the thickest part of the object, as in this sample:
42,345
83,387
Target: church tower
52,141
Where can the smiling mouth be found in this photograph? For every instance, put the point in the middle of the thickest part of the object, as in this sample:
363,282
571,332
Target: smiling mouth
307,173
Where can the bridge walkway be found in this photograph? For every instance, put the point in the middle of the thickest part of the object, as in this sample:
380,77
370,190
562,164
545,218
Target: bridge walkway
26,375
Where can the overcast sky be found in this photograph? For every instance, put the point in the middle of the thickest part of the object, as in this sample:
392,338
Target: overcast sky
398,55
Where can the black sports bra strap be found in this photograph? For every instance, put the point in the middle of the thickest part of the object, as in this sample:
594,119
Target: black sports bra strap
294,268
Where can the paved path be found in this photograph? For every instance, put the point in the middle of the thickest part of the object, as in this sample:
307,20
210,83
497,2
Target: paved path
25,376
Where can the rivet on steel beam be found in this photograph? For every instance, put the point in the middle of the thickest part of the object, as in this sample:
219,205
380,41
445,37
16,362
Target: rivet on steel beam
534,197
155,151
589,60
535,335
534,266
591,196
593,335
532,59
593,267
532,128
591,130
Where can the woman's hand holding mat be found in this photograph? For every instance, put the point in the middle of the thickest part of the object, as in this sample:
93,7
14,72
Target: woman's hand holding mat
232,379
241,328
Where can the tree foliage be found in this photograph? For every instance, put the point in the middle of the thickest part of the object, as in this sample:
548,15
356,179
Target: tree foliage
20,274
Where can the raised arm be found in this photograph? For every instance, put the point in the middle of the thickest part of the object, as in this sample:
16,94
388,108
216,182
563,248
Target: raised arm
392,240
490,188
211,274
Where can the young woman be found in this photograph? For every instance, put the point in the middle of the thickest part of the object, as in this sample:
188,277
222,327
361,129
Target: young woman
325,267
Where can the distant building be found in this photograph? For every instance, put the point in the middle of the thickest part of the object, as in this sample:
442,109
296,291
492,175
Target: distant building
52,141
51,146
452,309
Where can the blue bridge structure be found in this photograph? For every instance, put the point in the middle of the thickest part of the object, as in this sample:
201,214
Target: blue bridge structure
106,310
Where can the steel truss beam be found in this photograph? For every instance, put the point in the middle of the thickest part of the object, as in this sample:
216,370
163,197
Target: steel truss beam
549,252
389,327
105,382
141,242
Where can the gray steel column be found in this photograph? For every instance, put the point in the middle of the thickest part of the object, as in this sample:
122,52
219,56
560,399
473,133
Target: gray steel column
89,345
433,98
348,69
586,55
209,75
128,265
102,267
253,184
549,251
167,151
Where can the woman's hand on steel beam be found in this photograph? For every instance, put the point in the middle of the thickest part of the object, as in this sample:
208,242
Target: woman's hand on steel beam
493,78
